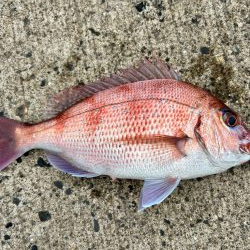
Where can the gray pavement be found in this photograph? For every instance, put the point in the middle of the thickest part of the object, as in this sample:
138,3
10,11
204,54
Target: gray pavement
46,46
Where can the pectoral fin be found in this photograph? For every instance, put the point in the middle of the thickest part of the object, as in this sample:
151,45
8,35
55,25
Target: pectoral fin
173,148
155,191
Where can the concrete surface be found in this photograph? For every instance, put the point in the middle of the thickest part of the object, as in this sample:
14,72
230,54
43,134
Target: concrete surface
46,46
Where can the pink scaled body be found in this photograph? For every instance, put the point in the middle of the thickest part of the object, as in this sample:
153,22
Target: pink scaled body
142,124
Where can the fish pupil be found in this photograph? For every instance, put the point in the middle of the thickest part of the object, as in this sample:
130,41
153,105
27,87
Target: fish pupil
231,121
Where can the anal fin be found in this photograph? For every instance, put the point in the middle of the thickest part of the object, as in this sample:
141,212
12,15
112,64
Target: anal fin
66,167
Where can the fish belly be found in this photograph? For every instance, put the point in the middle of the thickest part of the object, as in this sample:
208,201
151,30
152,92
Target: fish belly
147,164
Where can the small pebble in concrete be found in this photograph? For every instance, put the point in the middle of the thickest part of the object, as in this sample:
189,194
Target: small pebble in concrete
110,216
19,160
16,201
131,188
69,66
8,225
44,215
204,50
195,20
43,82
141,6
162,233
68,191
42,163
26,21
20,110
94,32
7,237
96,226
167,221
29,54
26,154
58,184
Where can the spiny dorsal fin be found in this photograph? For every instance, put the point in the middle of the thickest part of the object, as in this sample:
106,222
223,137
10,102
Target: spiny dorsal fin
146,70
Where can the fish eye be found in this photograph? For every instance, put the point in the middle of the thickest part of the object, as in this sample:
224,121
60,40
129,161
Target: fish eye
230,119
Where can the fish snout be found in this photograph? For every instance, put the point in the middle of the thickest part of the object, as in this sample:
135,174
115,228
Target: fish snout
245,145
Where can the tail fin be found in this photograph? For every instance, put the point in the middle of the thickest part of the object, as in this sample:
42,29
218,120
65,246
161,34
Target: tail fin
9,151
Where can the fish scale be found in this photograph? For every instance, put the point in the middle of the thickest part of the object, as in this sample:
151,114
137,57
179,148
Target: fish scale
100,142
143,123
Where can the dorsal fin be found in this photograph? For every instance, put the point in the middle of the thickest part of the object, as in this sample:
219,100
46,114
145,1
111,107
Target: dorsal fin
146,70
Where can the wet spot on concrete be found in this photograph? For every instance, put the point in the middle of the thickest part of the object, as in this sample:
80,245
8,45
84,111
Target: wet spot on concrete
96,226
222,74
16,201
58,184
44,215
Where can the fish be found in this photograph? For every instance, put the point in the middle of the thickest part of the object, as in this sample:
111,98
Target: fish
141,123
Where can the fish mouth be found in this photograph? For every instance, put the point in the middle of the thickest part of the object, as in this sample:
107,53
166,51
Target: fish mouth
245,148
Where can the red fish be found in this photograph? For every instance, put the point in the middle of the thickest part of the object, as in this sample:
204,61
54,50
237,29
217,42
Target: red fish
143,123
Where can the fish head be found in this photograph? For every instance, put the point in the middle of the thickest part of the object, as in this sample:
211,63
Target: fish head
223,136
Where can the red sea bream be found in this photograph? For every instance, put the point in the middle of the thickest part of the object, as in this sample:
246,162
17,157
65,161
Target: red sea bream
143,123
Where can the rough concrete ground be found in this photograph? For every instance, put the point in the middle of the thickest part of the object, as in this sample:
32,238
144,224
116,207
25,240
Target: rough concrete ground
46,46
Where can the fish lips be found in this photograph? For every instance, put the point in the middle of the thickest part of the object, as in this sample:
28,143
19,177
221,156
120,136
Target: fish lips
245,147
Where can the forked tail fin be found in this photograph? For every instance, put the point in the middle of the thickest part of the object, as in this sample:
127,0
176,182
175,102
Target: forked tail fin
9,150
